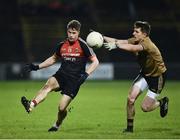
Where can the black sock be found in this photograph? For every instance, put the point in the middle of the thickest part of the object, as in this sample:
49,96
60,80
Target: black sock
130,124
130,127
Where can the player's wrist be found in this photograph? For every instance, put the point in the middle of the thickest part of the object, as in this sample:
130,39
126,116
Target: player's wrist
35,67
86,74
117,44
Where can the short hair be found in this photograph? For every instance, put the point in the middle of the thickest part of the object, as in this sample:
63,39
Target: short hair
74,24
145,26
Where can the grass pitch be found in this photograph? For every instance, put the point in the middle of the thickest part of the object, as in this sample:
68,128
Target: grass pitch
98,112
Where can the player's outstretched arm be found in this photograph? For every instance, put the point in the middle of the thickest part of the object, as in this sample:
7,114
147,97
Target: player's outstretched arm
123,46
113,43
110,39
48,62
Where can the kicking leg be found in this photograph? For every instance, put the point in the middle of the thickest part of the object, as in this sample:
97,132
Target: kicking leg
50,85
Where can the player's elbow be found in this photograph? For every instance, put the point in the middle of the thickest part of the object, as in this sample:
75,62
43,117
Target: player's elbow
135,48
146,108
97,62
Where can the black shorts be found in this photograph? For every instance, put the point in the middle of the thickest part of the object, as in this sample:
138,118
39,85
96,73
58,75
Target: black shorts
68,85
155,84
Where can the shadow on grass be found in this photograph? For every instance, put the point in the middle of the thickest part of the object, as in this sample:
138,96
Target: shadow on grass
173,133
176,134
158,129
79,129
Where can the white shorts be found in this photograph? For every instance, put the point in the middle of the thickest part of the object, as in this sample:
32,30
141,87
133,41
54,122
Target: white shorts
142,84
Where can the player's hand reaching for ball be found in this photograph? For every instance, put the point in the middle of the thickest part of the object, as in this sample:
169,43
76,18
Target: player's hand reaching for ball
31,67
110,45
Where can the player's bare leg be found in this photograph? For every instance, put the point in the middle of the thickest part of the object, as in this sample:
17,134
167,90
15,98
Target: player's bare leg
50,85
150,103
62,112
133,95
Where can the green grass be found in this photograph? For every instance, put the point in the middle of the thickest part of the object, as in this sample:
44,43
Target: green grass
98,112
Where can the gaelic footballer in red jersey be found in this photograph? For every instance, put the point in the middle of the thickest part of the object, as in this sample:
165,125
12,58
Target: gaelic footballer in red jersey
73,54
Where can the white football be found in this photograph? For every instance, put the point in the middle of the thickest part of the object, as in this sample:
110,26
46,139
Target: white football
95,39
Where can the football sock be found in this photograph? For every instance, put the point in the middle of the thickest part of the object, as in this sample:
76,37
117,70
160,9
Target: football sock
33,104
55,125
129,127
130,124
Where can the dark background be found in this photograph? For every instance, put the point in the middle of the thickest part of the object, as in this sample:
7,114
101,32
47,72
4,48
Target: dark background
29,29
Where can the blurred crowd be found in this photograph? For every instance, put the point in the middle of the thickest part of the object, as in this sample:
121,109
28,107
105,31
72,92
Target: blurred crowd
30,28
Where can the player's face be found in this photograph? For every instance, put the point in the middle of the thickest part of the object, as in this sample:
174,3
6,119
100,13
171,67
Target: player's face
73,34
138,34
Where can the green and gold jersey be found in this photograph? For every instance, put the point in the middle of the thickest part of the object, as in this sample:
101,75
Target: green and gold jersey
150,58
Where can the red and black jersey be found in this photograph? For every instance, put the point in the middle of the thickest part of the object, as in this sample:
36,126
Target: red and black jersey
74,57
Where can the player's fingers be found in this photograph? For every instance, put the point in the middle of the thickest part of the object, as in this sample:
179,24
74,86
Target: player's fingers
27,68
105,45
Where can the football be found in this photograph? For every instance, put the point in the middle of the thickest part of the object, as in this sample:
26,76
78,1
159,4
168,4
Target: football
95,39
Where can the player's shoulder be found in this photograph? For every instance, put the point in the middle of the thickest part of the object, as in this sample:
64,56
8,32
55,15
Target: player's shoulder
85,46
131,40
82,42
60,43
148,44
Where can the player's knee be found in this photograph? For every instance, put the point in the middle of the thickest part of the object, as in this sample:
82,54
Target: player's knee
130,100
47,88
145,108
61,109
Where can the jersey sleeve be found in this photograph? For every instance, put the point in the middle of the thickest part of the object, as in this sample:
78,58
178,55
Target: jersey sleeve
145,44
88,52
131,40
58,48
134,42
